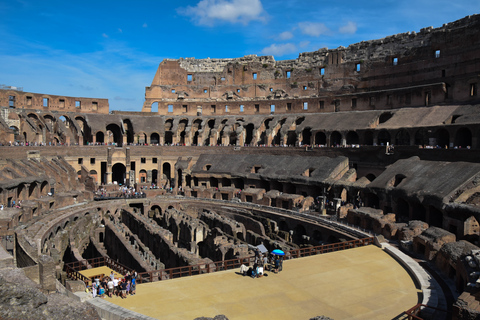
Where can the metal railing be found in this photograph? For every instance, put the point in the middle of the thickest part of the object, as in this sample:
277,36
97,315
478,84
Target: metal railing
415,311
72,269
186,271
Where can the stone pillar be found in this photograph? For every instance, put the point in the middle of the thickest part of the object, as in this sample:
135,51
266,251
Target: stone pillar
337,203
322,200
46,270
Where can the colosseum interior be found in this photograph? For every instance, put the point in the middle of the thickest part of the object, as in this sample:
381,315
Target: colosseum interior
227,154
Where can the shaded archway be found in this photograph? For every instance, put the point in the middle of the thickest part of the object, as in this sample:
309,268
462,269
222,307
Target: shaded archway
368,138
335,138
403,210
442,137
320,138
352,138
118,173
306,136
100,137
383,137
402,138
166,169
154,138
463,138
117,134
421,137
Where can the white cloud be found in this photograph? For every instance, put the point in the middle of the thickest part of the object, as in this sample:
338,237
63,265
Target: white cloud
120,30
279,49
145,25
104,35
206,12
304,44
285,35
349,28
313,28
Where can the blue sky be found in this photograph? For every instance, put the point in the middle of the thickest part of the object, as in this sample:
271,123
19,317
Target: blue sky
111,49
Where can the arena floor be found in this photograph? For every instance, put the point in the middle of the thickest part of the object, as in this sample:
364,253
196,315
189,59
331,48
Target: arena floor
360,283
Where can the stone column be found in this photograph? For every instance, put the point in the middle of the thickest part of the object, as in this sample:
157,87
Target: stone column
46,267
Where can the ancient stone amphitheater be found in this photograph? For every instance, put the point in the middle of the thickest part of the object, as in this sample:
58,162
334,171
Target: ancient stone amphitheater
227,154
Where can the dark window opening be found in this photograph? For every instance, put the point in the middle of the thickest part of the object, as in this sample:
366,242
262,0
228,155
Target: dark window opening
143,160
92,160
80,160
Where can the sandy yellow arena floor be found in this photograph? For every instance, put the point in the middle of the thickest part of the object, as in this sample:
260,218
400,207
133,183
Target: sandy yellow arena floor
361,283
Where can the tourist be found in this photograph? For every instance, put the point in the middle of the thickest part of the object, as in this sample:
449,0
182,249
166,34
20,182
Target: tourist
277,263
110,287
112,275
115,286
265,261
133,285
123,287
243,269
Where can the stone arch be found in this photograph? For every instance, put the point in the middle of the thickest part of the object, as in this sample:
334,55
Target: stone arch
119,173
352,138
383,137
128,129
32,190
335,138
168,131
403,210
142,174
166,170
463,138
154,107
100,137
320,138
86,132
368,138
299,233
306,136
154,138
402,138
44,188
442,137
117,133
21,189
422,137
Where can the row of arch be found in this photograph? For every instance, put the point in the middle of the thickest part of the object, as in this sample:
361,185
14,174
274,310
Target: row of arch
214,132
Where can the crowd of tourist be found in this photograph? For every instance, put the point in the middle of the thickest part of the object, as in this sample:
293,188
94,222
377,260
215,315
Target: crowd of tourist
263,263
111,286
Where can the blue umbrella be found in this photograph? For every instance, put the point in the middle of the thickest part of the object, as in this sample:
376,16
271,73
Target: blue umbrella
278,252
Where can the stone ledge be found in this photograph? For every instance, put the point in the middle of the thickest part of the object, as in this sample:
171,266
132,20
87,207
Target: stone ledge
432,294
109,311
